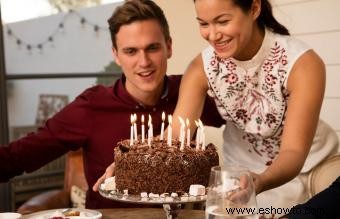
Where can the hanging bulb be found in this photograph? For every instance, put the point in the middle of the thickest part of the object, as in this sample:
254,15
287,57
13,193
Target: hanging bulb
50,39
96,29
83,22
61,27
9,32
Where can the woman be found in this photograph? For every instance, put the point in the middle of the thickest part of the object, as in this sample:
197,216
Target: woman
269,87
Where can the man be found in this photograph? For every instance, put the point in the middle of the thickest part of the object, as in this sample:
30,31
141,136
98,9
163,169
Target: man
100,117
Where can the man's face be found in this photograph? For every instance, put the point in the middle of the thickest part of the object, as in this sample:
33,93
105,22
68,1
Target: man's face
142,53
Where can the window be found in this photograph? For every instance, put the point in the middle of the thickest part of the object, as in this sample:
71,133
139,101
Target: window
46,62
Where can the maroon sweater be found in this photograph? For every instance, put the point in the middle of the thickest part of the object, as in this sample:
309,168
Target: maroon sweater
95,121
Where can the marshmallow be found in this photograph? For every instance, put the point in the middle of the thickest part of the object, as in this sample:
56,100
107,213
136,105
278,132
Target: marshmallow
174,195
109,184
144,194
163,195
196,190
152,195
126,191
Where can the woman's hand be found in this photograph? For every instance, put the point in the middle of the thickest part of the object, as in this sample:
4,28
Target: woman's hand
109,172
258,184
242,194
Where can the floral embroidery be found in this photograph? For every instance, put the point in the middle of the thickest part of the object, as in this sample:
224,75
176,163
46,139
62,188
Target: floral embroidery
270,119
231,78
254,99
270,79
241,114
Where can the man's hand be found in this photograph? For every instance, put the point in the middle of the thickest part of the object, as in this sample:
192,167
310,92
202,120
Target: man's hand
109,172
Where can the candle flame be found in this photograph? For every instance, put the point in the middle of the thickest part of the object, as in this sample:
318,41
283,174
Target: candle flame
187,122
163,116
149,122
131,118
142,118
197,124
200,123
135,115
170,119
181,121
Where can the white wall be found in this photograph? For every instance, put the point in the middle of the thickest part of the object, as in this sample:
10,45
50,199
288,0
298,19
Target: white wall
317,22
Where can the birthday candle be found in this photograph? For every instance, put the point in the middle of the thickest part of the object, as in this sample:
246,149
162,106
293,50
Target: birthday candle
198,133
135,127
131,130
181,133
169,130
150,131
162,127
202,135
143,129
151,127
188,132
203,139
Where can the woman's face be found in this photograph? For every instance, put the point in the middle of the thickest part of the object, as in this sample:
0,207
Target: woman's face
226,27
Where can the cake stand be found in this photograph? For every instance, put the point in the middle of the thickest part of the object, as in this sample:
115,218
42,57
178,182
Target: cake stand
171,205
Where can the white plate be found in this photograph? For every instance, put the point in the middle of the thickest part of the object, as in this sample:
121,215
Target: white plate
89,214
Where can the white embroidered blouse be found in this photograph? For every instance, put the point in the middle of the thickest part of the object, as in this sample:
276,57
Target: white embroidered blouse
252,96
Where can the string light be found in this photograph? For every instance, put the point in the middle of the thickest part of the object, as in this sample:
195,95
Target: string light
60,28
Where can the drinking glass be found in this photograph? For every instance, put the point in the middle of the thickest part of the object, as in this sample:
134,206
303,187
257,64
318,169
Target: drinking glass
231,194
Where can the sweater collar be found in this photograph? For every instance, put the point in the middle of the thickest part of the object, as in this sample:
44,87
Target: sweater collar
120,92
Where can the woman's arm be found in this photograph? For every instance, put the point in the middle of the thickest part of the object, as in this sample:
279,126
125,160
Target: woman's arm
306,85
192,93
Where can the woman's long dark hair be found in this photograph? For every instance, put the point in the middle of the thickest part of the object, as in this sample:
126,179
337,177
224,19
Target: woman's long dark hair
266,17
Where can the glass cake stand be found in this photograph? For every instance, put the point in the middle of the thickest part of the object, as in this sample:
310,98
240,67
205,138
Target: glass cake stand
171,205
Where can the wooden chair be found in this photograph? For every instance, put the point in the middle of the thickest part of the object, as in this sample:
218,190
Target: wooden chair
74,175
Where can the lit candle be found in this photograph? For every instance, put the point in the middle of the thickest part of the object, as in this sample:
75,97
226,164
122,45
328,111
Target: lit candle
169,130
198,133
188,132
151,127
181,133
143,129
131,129
135,127
203,139
162,127
202,135
150,131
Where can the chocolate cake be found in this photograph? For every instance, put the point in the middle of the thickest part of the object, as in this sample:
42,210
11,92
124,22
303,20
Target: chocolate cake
160,168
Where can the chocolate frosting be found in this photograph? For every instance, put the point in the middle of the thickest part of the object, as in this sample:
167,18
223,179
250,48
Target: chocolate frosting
160,168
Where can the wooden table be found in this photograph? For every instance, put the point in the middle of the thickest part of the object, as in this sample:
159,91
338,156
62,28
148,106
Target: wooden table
147,213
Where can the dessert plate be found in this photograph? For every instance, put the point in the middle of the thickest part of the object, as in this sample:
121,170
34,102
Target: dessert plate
171,204
84,214
137,199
